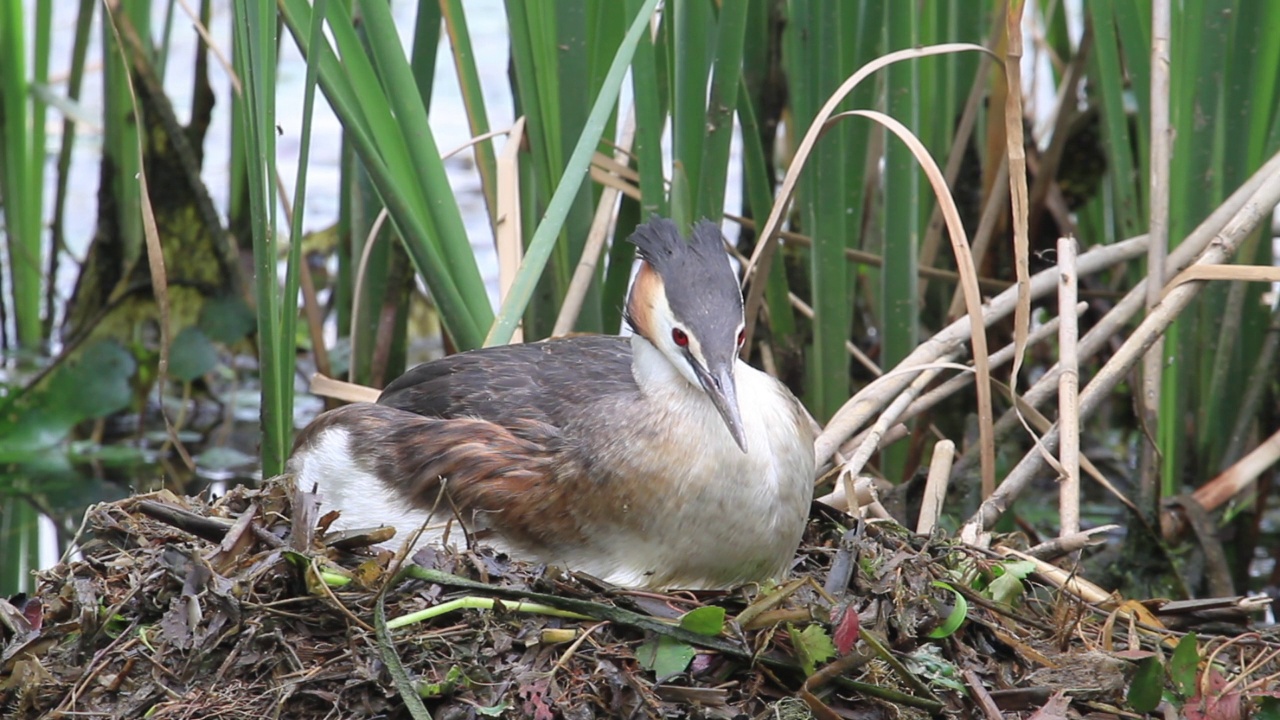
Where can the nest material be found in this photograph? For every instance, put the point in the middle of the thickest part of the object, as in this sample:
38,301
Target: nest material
187,608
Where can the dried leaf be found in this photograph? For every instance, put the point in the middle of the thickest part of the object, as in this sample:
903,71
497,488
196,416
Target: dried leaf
534,701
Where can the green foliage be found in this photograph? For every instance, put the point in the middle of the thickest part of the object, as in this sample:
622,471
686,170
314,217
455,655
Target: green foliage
22,155
255,61
94,384
1147,686
665,656
1223,81
956,618
226,319
192,355
1184,666
1006,587
562,200
452,677
812,645
385,119
708,620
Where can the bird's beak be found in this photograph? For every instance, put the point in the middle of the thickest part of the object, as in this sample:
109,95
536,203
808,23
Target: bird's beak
719,384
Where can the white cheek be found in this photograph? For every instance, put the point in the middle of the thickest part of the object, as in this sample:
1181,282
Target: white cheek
675,353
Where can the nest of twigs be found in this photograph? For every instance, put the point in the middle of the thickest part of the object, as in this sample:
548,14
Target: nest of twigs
244,607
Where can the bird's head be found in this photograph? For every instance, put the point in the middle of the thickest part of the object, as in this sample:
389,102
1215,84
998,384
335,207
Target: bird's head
687,303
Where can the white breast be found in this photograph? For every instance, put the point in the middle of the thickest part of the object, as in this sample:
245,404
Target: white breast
729,517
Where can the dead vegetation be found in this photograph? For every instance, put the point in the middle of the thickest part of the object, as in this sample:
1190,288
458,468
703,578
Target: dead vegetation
187,608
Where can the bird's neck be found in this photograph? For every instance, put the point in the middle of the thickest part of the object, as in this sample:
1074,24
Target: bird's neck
653,371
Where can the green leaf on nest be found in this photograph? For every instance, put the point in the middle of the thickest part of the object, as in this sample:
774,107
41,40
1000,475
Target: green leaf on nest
1185,663
1007,587
957,616
666,657
1148,685
813,645
707,620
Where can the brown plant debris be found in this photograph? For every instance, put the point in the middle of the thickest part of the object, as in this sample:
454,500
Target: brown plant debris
194,608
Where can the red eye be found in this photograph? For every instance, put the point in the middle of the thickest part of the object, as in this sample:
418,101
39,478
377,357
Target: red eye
679,337
742,337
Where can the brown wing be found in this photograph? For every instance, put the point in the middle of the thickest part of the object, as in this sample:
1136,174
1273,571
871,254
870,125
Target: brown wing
489,475
547,382
496,433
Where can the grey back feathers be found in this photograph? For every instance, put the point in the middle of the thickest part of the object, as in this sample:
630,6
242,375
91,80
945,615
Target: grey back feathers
701,287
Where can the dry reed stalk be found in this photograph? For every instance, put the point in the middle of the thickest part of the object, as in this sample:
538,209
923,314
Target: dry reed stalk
1068,391
1158,230
1252,213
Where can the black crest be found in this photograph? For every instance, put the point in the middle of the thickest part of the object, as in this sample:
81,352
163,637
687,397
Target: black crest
701,286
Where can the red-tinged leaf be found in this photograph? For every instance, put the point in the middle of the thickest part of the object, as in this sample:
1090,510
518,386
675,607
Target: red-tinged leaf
703,663
533,701
1214,705
1055,709
33,611
1134,655
1226,707
847,628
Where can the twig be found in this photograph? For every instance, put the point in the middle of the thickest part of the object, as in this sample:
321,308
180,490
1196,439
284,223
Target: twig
871,638
889,416
1158,229
479,603
387,649
927,401
868,402
1100,336
980,694
1250,216
935,487
508,240
863,257
1068,392
314,568
568,653
1236,478
644,622
1017,150
1066,544
205,528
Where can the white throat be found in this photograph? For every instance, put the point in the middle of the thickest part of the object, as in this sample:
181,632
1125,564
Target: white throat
654,371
